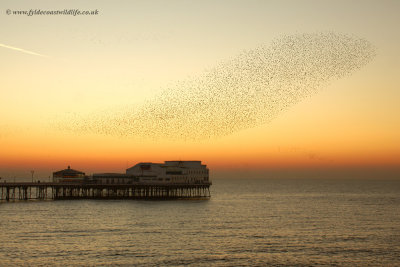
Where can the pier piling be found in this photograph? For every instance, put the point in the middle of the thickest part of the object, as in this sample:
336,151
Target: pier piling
57,191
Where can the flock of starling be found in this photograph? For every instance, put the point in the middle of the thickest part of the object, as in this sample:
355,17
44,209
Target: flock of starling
243,92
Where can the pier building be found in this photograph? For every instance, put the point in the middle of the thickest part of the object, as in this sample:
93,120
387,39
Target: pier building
68,175
170,171
187,172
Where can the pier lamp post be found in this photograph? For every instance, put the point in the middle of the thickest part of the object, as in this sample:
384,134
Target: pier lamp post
32,172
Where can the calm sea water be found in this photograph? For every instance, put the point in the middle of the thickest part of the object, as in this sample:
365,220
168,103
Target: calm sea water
253,222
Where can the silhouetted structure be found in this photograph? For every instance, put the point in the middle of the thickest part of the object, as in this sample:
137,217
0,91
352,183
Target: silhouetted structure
42,191
68,175
168,180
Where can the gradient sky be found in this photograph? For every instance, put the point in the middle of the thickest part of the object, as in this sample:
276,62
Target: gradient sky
52,66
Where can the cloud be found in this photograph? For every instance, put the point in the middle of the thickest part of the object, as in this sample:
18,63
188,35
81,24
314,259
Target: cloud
22,50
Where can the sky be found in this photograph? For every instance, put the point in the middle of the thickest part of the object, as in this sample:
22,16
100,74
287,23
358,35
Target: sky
54,67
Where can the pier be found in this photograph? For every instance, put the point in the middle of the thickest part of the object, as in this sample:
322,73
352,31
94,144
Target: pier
58,191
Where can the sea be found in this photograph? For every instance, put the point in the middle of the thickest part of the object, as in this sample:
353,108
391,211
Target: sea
246,222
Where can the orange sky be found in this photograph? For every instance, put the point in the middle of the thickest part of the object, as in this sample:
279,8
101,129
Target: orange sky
130,52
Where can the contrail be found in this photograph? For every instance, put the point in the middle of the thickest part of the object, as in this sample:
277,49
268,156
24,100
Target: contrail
22,50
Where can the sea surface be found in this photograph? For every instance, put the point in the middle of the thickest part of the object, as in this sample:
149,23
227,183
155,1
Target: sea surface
247,222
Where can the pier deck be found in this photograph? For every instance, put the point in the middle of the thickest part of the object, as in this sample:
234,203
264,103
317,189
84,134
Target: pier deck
55,191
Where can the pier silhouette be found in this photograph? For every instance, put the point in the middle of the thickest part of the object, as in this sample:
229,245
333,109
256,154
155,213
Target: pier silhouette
56,191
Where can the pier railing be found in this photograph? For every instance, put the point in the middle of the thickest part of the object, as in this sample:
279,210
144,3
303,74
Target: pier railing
136,190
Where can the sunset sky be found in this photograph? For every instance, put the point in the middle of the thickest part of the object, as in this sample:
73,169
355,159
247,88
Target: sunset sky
55,66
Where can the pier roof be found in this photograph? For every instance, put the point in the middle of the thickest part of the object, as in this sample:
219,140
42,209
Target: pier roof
68,171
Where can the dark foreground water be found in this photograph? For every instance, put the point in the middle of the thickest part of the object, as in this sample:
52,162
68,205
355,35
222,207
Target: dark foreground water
246,222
